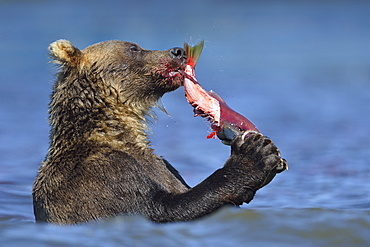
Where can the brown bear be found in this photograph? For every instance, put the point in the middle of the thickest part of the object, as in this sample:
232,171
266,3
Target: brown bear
100,163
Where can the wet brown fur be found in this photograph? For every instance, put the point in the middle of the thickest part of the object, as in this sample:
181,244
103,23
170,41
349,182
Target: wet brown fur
100,162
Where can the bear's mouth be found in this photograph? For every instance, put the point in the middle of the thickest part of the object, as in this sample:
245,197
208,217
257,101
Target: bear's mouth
175,75
170,72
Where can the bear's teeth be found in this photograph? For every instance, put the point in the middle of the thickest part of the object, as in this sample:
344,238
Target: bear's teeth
173,73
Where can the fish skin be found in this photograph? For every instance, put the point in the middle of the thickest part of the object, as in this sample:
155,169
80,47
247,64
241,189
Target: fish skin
225,122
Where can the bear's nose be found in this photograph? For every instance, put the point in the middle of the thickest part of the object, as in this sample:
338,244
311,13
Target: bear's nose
178,53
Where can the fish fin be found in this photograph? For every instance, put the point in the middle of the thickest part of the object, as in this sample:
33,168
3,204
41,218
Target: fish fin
212,135
216,96
193,52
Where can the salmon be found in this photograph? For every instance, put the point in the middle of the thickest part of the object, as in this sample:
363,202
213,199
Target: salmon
225,122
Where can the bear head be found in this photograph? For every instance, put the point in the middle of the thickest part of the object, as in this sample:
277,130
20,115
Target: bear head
132,74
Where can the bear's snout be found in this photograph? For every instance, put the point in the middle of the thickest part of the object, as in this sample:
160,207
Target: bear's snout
178,53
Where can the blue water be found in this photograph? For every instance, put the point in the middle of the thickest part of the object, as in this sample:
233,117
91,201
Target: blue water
300,70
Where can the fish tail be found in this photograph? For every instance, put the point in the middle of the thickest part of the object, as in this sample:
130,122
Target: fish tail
193,52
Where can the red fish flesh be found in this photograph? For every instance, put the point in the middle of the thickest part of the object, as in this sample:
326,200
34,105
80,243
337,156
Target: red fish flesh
225,122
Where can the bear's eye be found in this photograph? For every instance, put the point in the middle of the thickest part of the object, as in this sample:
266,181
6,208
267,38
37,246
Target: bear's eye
134,48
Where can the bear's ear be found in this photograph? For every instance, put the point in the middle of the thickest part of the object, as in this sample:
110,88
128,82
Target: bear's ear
63,52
